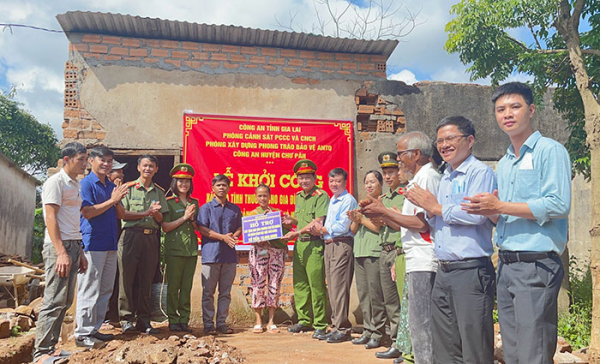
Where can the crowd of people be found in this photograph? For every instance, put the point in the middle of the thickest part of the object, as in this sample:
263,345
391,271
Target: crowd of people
419,252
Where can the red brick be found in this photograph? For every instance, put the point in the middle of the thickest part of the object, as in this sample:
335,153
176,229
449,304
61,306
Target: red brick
258,60
326,56
367,66
289,53
349,66
130,42
111,58
290,70
237,58
169,44
248,50
69,113
80,47
138,52
251,65
180,54
193,64
218,57
92,55
230,49
107,39
380,74
151,60
312,81
132,58
200,55
327,71
159,52
269,68
335,65
91,38
269,52
69,134
211,47
86,134
345,73
96,48
366,109
190,45
308,70
361,58
173,62
343,57
212,64
151,43
307,54
100,135
120,51
295,62
65,124
380,59
314,63
276,61
231,65
300,80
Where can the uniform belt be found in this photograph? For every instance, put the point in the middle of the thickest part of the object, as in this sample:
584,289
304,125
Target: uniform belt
340,239
388,247
306,238
450,265
145,231
508,257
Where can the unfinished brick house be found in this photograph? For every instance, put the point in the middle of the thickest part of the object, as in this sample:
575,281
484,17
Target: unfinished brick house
128,80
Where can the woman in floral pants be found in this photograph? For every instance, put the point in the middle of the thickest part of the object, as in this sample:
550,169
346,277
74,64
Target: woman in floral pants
267,263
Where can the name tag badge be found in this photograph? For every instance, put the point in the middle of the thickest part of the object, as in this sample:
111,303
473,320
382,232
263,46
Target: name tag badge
526,162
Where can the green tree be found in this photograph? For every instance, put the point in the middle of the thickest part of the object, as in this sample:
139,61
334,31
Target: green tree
559,54
31,145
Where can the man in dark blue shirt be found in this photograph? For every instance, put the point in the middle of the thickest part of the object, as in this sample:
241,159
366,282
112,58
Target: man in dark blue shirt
100,200
220,224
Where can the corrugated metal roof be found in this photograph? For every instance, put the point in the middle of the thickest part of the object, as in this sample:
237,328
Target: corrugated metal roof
154,28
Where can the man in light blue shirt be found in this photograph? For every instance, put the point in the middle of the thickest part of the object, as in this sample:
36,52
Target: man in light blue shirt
339,259
463,291
530,208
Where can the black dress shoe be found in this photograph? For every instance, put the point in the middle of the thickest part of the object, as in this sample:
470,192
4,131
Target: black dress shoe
103,337
391,353
399,360
372,344
175,327
361,340
128,328
339,337
185,327
147,329
299,328
320,334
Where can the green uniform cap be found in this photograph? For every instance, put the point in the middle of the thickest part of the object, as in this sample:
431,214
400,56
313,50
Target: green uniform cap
305,166
387,159
182,170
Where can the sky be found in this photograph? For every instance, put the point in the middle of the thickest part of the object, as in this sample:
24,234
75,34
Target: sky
33,61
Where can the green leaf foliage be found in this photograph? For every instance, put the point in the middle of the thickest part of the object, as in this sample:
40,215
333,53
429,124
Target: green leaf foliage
31,145
489,36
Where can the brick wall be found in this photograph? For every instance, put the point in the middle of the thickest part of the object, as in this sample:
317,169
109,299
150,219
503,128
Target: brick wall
304,67
376,114
78,124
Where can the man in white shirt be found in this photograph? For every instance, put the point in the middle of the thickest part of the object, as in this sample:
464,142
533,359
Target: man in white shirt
63,253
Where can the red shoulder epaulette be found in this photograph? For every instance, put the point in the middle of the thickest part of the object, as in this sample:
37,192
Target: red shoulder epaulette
318,192
132,183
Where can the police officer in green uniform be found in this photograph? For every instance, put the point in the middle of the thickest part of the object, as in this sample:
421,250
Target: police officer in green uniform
138,249
389,240
309,270
181,246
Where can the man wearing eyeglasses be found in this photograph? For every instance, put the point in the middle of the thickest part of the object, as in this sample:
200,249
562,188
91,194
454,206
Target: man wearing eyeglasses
463,291
531,208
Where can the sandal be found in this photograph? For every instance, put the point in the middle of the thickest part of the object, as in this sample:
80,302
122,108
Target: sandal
257,329
273,329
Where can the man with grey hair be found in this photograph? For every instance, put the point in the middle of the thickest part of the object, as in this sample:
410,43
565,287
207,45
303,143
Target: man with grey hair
414,151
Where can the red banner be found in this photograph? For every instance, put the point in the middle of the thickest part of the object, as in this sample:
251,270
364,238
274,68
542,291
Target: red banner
252,150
